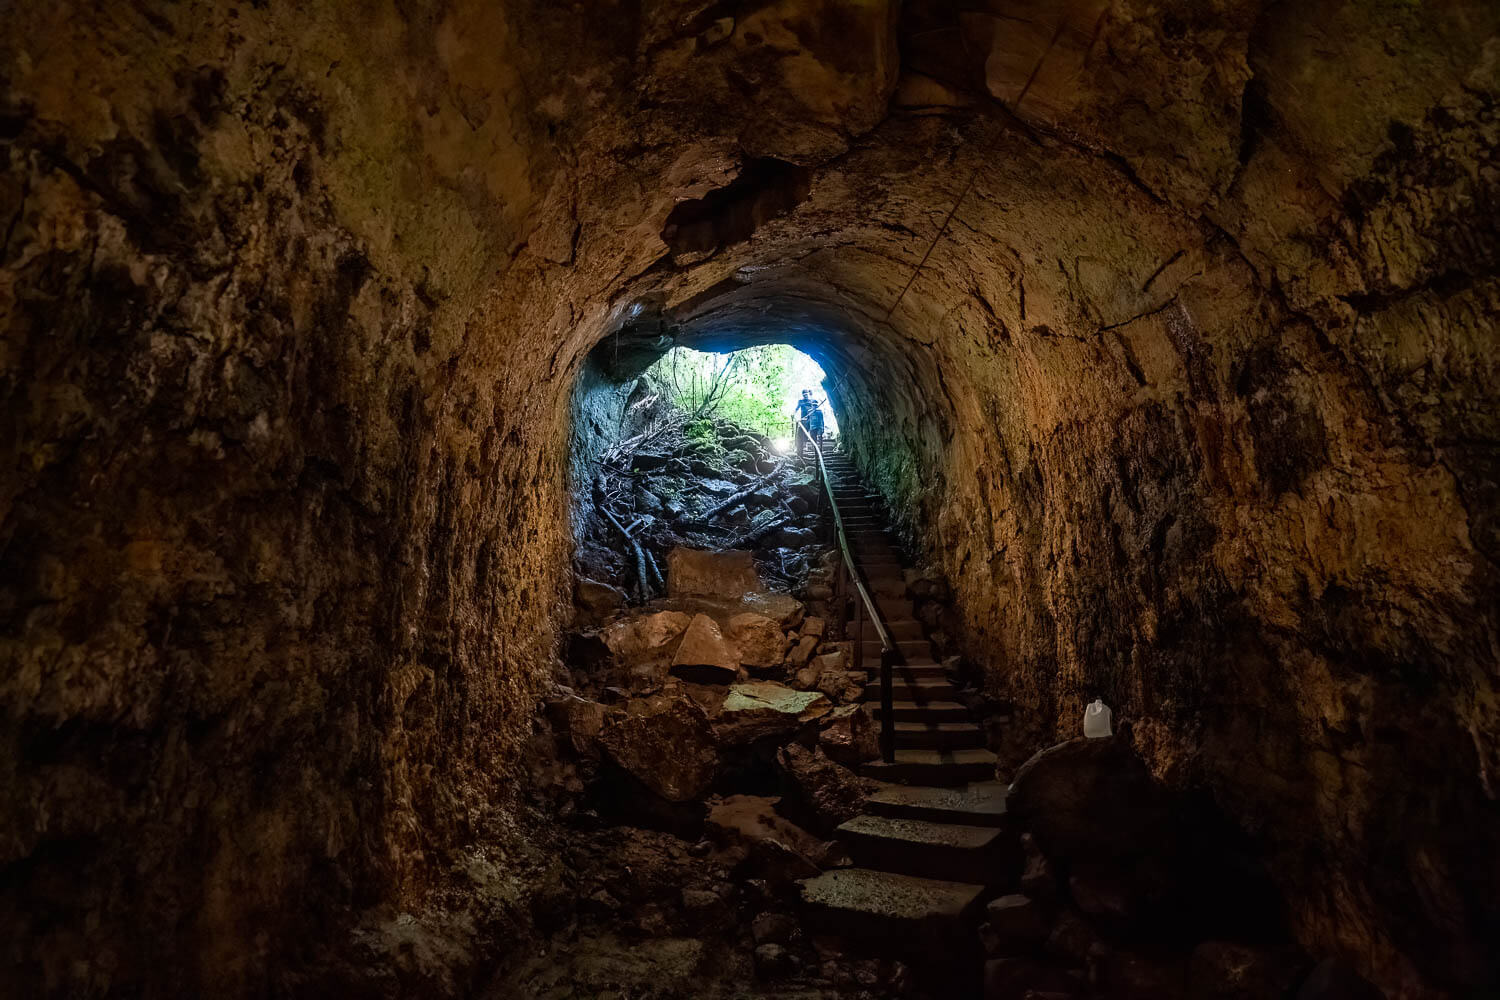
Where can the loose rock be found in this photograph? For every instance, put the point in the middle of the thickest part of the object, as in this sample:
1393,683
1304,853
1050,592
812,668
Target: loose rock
772,846
849,736
773,928
598,599
704,573
1015,926
646,639
820,793
761,642
758,710
665,743
802,652
704,656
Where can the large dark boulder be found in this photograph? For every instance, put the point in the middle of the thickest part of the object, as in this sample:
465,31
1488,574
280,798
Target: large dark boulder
667,744
1142,861
1090,798
820,793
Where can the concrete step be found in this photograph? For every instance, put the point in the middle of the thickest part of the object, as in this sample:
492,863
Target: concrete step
979,804
925,689
941,768
896,628
951,851
936,711
919,672
929,918
912,650
938,736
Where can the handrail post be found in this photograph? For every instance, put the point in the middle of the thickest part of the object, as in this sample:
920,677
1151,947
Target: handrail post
887,709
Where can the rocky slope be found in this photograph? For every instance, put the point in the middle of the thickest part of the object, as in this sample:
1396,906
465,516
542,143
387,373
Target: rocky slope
1193,400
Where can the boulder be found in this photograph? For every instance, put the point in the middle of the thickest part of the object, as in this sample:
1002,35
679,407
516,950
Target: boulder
749,827
647,502
598,599
814,626
849,735
706,573
646,640
665,743
784,608
705,469
646,461
704,656
582,720
804,486
802,652
796,537
761,642
820,793
839,685
1013,926
807,677
772,961
758,710
773,928
744,442
1090,798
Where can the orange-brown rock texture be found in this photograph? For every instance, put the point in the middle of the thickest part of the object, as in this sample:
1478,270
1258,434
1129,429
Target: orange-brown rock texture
1194,401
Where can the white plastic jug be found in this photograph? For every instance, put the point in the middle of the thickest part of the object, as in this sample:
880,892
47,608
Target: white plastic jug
1096,719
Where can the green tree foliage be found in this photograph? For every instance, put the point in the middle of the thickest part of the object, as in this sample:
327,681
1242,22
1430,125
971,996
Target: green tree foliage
755,388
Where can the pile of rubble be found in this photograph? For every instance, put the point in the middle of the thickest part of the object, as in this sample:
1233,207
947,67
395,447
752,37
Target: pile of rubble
709,485
708,681
721,723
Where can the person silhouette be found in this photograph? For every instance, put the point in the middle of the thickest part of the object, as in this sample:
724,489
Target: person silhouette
809,428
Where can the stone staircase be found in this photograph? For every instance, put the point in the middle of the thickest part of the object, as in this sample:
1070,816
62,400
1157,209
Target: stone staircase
931,846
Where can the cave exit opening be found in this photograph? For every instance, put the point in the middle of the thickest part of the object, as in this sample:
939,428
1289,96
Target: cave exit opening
679,447
755,388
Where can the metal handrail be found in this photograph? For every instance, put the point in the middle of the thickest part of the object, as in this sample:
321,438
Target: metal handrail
889,651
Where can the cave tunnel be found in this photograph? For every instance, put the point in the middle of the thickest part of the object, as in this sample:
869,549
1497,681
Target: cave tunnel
1162,336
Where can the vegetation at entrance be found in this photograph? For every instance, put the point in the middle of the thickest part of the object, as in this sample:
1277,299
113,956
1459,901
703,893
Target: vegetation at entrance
754,388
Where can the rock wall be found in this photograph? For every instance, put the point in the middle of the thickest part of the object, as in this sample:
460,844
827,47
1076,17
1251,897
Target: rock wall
281,545
1170,326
